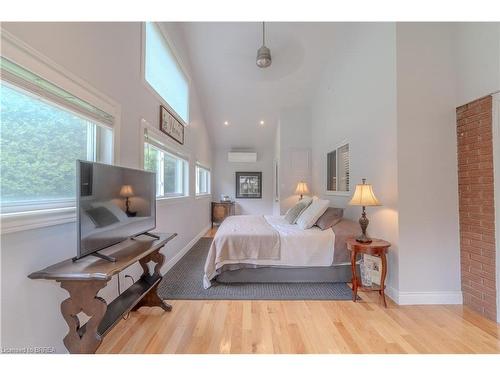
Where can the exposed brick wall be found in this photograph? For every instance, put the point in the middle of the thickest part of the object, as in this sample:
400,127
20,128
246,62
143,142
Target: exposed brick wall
476,205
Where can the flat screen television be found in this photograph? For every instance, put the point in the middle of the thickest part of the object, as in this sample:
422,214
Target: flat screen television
113,204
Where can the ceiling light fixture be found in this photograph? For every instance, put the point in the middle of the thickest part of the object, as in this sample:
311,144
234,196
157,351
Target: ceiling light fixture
226,123
263,53
261,122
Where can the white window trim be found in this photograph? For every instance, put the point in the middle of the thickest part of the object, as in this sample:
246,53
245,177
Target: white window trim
165,201
180,63
203,195
21,53
331,192
170,147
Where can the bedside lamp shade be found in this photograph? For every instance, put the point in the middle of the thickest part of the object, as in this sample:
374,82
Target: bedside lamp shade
126,191
364,196
301,189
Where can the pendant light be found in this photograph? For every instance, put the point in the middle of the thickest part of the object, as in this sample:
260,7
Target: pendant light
263,53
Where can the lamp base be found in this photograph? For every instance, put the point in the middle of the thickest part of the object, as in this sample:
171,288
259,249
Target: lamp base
363,239
363,222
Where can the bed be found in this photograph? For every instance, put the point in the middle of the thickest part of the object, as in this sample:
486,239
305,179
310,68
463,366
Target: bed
249,248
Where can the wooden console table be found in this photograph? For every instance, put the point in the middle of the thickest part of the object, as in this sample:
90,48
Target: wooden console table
84,278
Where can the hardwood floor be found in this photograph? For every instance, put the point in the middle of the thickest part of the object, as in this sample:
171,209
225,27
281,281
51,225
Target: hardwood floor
211,232
303,327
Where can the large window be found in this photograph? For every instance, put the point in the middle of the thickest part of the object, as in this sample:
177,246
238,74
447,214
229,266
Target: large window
163,72
40,143
202,180
171,171
337,170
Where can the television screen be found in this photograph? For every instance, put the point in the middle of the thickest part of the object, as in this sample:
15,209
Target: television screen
113,203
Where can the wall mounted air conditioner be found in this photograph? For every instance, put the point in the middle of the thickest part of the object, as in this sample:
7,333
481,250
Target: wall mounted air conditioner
241,157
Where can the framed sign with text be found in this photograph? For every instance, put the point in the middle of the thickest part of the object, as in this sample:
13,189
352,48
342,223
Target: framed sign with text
171,126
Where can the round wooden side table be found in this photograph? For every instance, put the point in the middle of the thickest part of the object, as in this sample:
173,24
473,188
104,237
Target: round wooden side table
377,248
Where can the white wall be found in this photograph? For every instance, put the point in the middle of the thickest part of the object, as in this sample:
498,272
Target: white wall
429,259
356,102
477,57
293,135
224,181
107,56
294,149
276,179
391,92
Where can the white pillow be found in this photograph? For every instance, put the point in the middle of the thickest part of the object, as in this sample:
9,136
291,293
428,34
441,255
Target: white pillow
312,213
111,206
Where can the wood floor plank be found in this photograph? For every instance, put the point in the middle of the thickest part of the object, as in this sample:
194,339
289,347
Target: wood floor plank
303,327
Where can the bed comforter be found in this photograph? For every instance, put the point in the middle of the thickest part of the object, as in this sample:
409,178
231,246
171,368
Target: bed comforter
241,239
244,241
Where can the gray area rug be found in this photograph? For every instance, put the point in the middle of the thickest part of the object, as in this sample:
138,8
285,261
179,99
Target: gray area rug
185,281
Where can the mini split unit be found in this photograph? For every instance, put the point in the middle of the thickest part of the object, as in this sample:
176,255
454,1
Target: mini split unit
242,157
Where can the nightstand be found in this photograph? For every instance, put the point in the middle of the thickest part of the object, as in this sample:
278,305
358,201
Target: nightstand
221,210
377,248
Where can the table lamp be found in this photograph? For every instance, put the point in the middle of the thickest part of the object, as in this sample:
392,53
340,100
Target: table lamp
364,196
126,191
301,189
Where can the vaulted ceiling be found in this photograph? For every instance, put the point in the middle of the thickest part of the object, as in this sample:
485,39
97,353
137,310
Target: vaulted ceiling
234,89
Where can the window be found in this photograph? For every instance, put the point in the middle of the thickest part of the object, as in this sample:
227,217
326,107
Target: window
337,169
163,72
44,130
202,180
171,171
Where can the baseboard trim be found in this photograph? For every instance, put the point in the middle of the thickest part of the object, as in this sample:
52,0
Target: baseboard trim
392,294
424,298
172,261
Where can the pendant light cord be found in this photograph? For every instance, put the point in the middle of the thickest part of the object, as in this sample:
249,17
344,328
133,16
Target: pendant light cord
263,34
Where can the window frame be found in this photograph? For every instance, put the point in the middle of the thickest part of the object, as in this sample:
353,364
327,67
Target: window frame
208,182
180,64
50,213
336,149
95,138
170,148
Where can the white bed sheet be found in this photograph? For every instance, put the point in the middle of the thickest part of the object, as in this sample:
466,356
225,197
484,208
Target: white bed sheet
299,248
302,248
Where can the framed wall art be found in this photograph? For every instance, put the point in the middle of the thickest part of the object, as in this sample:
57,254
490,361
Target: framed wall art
248,185
171,126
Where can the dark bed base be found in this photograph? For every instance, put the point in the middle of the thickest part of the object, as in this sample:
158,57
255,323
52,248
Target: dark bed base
333,274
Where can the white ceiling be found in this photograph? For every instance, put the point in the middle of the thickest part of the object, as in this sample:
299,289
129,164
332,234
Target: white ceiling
232,88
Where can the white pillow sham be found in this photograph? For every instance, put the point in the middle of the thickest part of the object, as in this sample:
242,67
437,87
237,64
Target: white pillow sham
111,206
312,213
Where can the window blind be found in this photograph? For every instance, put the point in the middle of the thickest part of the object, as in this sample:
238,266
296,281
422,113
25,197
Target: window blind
331,179
19,76
155,140
344,167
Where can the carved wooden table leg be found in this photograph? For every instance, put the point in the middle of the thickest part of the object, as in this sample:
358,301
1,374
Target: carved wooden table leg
152,298
354,276
382,278
83,298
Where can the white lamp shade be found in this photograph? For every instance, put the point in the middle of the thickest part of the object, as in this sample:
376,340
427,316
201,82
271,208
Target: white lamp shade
301,188
126,191
364,196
